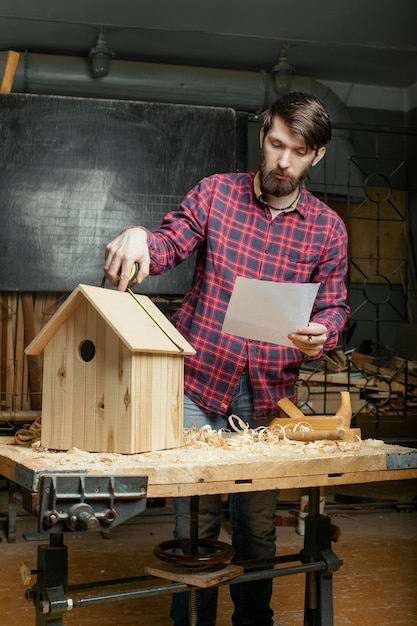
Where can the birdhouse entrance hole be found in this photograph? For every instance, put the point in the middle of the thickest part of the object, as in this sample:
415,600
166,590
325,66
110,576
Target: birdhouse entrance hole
87,350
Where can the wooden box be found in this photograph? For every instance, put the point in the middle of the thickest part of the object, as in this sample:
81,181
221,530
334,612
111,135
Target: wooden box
113,374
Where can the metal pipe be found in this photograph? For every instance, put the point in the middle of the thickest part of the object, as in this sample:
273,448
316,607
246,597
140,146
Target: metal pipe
250,91
130,80
176,587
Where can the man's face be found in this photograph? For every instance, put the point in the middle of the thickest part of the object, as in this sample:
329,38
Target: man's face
285,159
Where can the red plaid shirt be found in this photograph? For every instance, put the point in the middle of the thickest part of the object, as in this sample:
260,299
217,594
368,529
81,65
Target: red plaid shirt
234,235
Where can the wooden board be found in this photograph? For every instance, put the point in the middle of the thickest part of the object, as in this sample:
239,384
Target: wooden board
190,471
202,579
12,61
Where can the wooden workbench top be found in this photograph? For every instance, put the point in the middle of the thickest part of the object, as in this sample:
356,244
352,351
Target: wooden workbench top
191,471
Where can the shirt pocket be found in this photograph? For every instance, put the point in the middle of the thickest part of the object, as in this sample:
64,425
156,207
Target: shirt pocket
301,263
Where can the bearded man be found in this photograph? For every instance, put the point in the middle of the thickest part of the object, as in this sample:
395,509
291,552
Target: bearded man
265,226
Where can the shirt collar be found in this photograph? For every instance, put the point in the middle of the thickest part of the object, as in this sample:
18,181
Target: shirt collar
257,187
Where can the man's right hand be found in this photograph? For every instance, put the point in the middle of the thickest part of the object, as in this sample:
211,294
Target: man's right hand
130,246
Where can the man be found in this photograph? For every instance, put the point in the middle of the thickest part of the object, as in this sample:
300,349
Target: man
265,226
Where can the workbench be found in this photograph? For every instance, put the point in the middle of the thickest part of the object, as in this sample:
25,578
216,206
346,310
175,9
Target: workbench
77,490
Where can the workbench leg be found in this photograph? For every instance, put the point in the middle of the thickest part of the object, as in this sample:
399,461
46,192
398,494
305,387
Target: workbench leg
193,594
48,593
11,512
318,608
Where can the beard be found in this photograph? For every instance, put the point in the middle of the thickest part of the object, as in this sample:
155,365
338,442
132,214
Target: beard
270,185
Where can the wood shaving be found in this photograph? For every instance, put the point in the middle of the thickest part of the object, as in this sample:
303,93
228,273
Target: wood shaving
263,439
29,433
375,443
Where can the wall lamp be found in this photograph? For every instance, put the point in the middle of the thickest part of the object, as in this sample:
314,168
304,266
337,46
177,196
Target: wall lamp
283,72
101,56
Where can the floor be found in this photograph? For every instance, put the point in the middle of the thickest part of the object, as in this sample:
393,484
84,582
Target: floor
375,586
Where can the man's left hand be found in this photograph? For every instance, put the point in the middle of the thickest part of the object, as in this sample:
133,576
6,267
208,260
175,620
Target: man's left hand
310,339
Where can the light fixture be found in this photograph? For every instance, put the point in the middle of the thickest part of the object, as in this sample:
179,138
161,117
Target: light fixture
101,56
282,72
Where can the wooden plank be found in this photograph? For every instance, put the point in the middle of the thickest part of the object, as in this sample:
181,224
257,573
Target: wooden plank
25,388
165,419
7,351
38,311
76,380
5,341
201,579
8,440
133,319
124,421
161,322
323,377
142,400
106,437
11,355
50,306
21,383
34,362
19,416
9,72
281,483
341,378
94,384
59,390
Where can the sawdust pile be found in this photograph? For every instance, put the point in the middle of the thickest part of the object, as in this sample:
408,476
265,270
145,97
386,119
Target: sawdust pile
262,440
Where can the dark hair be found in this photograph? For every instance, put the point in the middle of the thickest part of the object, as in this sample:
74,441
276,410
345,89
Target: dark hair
305,115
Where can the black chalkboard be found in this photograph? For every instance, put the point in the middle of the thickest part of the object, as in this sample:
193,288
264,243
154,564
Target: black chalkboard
74,172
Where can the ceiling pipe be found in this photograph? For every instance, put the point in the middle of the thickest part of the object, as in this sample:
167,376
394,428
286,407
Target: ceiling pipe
149,82
247,91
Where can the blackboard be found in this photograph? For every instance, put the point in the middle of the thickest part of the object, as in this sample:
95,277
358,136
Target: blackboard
74,172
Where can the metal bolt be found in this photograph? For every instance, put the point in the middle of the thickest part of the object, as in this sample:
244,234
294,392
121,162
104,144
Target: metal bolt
52,519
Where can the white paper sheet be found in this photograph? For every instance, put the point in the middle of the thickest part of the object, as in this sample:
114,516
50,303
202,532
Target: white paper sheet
268,311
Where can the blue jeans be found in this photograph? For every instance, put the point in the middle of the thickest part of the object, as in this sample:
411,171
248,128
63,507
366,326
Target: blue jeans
253,529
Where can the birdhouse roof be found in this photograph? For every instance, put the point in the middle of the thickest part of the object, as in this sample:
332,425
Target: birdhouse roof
137,321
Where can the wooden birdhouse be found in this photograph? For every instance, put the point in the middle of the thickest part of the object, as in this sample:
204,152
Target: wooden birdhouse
113,374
